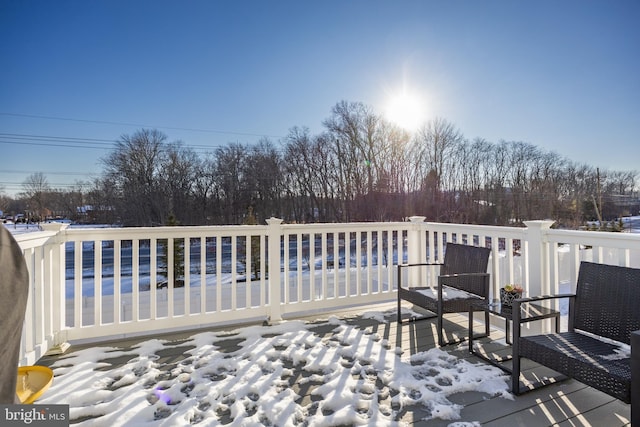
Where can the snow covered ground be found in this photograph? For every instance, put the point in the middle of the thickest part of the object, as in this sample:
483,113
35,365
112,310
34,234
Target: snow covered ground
355,376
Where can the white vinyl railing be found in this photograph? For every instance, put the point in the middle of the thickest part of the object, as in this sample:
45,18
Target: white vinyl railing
90,284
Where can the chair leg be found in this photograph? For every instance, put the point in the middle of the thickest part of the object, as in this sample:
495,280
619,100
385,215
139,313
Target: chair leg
399,311
515,375
439,327
487,323
635,379
515,361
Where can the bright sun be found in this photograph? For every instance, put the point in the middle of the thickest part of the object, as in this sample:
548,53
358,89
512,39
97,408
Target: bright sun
406,111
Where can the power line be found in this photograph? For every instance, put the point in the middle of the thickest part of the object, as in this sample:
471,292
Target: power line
49,172
73,142
20,185
87,144
42,144
35,116
49,137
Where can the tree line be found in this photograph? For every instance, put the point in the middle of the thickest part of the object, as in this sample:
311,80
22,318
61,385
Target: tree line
360,167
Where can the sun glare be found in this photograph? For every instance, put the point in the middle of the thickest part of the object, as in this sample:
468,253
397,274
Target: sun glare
406,111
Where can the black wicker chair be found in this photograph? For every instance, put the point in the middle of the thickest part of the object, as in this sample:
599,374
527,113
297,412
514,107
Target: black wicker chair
605,305
464,269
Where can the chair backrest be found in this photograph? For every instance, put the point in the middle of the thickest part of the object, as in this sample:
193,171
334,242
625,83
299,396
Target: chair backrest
607,301
465,259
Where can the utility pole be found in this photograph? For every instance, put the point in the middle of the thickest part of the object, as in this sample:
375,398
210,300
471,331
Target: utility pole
598,204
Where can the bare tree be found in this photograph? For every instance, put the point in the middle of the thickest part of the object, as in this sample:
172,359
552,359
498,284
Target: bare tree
135,168
361,167
262,179
357,132
229,169
4,200
438,138
205,189
312,174
180,166
65,202
36,189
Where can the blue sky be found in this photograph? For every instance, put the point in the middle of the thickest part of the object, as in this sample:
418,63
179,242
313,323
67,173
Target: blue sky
562,75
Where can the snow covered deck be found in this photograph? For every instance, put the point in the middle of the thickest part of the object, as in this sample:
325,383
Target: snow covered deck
92,286
350,368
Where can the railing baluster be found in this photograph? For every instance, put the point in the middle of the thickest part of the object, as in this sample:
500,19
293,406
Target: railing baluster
358,263
38,291
218,304
97,282
153,278
135,280
248,270
287,269
170,279
299,269
117,280
187,279
347,250
263,270
77,276
336,264
234,272
203,274
30,333
389,256
312,266
323,263
369,251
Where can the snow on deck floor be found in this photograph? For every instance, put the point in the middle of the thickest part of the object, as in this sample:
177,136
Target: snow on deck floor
330,372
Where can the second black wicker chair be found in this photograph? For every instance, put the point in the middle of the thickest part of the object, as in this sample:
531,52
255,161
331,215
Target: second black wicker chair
603,311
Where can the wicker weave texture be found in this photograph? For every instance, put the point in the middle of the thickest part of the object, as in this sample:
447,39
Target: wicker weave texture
607,300
584,358
464,259
464,268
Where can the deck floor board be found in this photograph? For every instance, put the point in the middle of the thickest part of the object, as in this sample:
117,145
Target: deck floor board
567,403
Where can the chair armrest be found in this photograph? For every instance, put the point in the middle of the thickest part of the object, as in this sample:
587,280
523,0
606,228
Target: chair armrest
445,276
518,301
542,298
420,264
404,267
474,283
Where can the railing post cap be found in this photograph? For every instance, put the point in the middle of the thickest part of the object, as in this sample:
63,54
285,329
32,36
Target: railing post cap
417,218
274,221
541,224
53,226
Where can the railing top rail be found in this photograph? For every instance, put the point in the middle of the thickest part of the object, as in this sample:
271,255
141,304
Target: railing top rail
350,226
514,232
168,231
595,238
608,239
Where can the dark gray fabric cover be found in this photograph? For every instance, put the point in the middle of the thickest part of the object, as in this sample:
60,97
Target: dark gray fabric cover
14,289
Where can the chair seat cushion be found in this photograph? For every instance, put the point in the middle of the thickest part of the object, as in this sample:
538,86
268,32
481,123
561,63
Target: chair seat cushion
426,298
448,293
591,361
